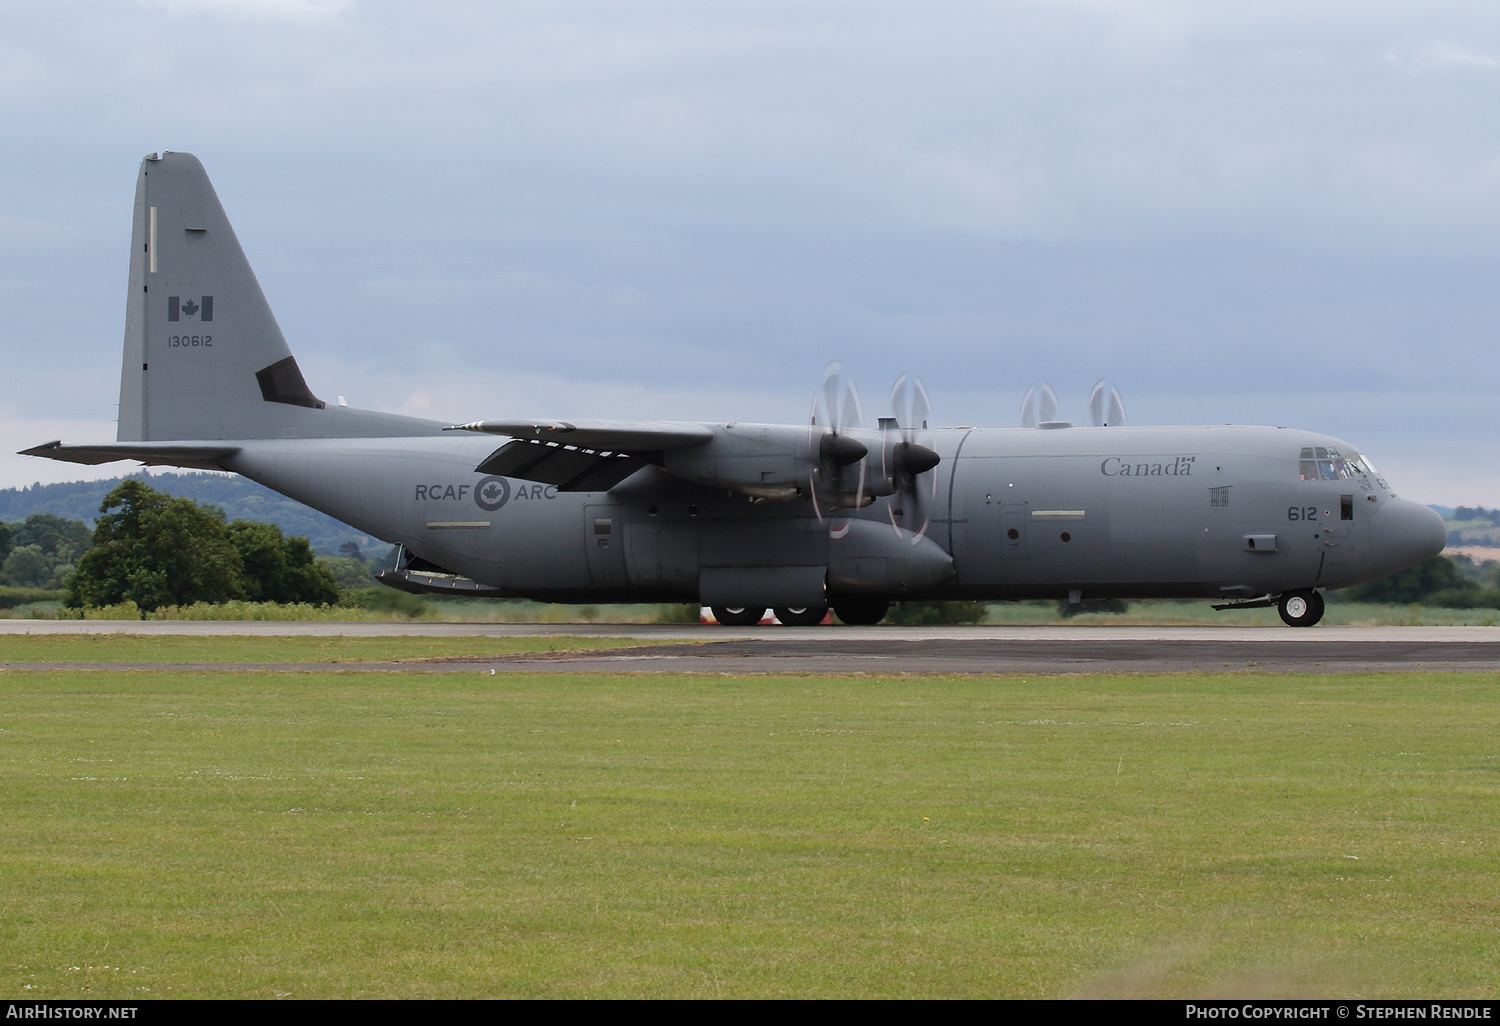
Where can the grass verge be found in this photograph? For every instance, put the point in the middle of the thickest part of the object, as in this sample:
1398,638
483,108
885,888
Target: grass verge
174,648
385,835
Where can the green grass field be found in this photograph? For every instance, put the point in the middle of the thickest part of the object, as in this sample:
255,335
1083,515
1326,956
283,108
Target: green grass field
123,648
313,835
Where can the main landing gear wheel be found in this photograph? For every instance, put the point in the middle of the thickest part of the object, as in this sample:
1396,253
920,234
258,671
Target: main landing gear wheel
738,616
801,616
861,612
1300,608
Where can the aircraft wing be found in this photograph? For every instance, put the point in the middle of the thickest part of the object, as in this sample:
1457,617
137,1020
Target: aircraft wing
582,455
194,455
599,435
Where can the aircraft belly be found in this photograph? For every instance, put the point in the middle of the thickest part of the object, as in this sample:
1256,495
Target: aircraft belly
1246,545
663,556
544,540
780,542
1345,547
1024,526
643,553
1152,532
671,555
604,542
519,535
744,543
1042,526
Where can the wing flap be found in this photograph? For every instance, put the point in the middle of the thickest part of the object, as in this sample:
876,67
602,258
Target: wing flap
570,468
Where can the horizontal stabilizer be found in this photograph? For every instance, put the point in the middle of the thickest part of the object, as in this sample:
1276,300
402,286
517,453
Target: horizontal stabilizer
606,436
193,455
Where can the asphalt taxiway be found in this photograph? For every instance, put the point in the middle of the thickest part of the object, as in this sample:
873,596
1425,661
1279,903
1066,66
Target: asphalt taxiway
693,648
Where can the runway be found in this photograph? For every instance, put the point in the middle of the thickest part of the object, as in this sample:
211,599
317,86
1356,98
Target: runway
692,648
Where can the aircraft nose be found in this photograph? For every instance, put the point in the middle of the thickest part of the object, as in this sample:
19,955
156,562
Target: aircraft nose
1404,533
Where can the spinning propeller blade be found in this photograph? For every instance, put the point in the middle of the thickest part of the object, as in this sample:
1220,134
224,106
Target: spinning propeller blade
906,459
1038,405
1102,415
838,481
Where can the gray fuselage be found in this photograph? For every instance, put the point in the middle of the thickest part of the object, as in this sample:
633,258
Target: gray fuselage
1115,512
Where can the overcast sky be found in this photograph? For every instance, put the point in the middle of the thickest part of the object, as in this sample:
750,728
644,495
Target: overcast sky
1271,213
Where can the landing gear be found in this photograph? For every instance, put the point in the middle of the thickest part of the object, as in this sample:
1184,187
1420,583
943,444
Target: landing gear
861,612
738,616
855,611
1300,608
801,616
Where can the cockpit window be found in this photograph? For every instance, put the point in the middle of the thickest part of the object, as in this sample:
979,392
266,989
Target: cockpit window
1318,463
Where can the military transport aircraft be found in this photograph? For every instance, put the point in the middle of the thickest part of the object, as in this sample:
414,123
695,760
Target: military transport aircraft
739,517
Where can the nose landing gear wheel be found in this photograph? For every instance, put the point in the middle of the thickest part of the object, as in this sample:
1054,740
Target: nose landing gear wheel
801,616
1300,608
738,616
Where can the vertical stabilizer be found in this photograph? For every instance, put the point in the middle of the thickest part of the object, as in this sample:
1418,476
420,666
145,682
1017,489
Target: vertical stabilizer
204,357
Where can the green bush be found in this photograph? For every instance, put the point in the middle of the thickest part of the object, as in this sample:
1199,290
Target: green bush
349,574
678,613
40,551
10,598
381,599
1440,581
279,569
917,614
240,610
1068,610
126,610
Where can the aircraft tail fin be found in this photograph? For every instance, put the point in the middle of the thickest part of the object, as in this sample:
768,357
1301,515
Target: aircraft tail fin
204,356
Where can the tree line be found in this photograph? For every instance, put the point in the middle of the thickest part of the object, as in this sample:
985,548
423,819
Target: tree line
159,550
1468,513
40,551
239,498
1453,582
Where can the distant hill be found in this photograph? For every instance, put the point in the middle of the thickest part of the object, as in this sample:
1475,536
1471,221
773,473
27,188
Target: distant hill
1473,531
238,497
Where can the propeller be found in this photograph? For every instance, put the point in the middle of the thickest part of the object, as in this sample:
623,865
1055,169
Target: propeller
905,459
1038,405
1106,410
838,481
